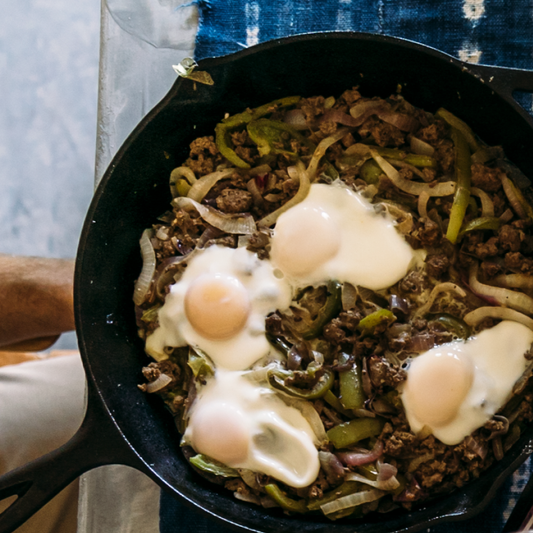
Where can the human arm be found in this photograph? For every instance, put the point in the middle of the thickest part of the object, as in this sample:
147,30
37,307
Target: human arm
36,299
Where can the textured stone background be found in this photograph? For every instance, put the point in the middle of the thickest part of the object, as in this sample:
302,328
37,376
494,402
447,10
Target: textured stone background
48,102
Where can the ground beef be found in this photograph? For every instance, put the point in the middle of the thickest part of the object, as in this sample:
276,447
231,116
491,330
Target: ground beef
445,156
234,201
437,265
350,96
415,282
384,134
399,443
428,232
510,238
203,156
516,262
486,178
490,269
433,133
487,249
383,374
312,108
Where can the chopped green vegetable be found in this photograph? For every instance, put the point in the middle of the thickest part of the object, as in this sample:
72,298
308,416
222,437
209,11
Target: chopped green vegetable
234,122
206,464
481,223
151,314
352,395
373,320
332,400
200,364
459,327
461,126
348,487
462,191
294,506
349,433
277,378
270,136
370,172
330,310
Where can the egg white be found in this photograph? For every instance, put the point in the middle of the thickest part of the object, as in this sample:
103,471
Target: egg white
265,291
496,356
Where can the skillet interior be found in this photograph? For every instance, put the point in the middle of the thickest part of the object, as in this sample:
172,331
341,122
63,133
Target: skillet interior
134,191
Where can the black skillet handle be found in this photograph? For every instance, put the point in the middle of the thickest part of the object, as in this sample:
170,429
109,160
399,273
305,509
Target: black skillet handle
504,80
98,442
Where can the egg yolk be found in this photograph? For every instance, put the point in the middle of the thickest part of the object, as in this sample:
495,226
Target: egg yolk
436,386
221,433
304,239
217,306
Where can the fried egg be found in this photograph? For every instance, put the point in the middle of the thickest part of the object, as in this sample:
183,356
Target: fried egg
453,389
219,305
335,233
245,425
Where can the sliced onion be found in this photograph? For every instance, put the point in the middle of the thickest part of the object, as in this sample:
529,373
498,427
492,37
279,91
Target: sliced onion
142,285
209,233
402,164
303,191
412,187
385,470
388,484
351,500
295,118
321,149
336,115
506,297
358,149
165,272
242,223
502,313
422,342
248,498
160,383
487,205
513,198
418,146
357,459
253,189
438,289
362,110
517,281
506,216
204,184
348,296
311,415
423,199
399,120
331,464
181,173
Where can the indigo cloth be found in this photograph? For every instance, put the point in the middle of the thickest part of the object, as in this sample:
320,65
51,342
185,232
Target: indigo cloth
494,32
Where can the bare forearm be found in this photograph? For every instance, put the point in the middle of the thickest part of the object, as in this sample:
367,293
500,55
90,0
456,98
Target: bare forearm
36,298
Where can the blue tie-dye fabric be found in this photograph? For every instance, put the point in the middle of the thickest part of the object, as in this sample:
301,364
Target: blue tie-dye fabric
495,32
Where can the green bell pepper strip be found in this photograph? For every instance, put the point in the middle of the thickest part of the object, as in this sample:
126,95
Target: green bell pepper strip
462,191
352,395
351,432
294,506
481,223
266,133
368,324
348,487
277,377
452,323
224,128
422,161
369,471
332,400
199,363
206,464
279,343
370,172
331,309
458,124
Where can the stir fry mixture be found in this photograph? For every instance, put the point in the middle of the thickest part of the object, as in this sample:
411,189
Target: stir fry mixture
339,302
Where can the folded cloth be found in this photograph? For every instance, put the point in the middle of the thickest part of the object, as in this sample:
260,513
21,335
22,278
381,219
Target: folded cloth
479,31
41,406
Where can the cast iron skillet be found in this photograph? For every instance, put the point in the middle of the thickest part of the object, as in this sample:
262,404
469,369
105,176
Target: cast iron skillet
125,426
